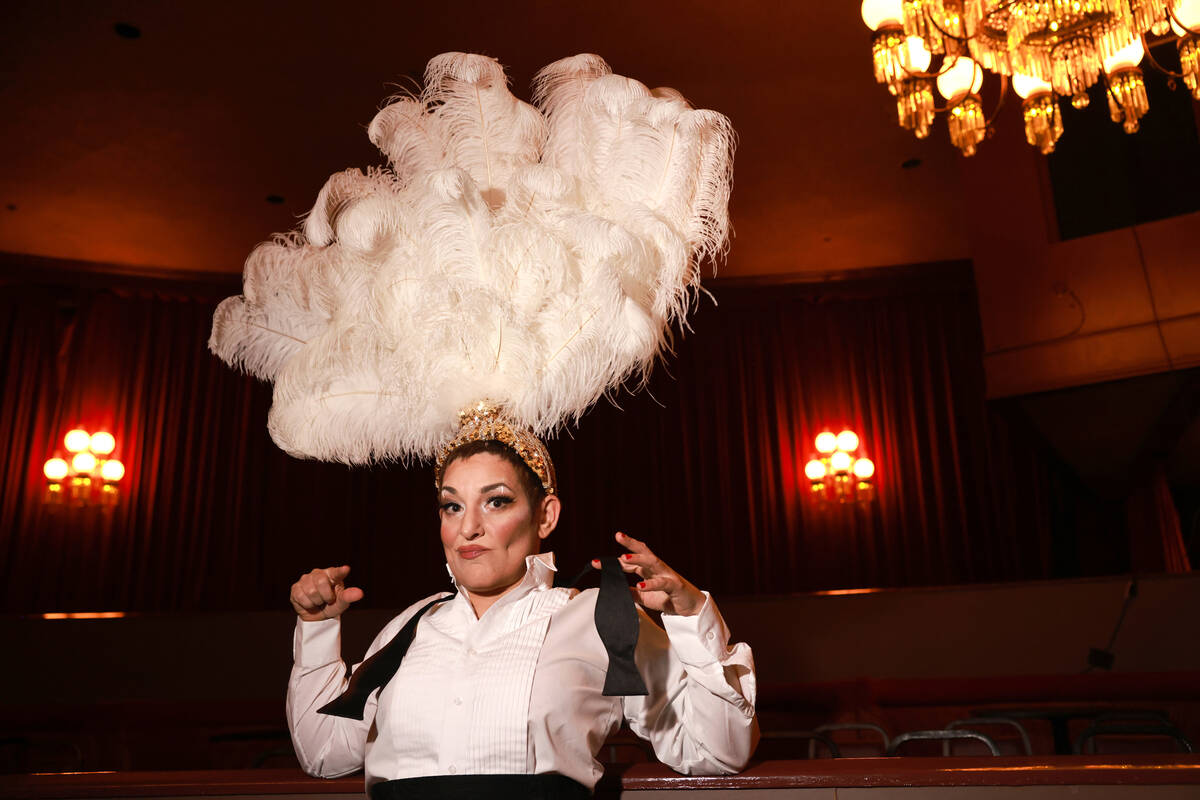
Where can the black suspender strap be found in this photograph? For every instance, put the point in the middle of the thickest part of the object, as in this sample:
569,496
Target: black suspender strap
376,671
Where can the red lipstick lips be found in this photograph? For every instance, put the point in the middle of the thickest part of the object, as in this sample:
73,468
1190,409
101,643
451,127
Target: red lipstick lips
471,552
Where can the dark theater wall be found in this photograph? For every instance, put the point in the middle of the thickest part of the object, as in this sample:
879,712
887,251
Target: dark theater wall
706,466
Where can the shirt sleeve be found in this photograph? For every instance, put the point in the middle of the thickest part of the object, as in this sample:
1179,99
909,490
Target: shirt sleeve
699,713
329,746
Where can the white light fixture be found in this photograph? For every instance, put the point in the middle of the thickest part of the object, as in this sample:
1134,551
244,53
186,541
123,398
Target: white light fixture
1066,45
836,474
91,476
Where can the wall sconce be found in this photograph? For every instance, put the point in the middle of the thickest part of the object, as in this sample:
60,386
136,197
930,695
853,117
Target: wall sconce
835,474
91,477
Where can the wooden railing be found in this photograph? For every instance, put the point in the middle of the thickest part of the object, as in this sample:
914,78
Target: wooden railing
1173,775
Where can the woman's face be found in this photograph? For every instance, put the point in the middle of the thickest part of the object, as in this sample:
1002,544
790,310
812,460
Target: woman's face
489,525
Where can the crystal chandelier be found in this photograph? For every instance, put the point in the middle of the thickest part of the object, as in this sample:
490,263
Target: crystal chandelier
836,474
1047,49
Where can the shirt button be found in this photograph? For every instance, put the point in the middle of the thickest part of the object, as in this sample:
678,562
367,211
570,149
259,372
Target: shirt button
452,769
710,635
471,652
458,701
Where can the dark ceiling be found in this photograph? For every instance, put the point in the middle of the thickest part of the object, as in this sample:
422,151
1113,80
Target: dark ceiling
160,151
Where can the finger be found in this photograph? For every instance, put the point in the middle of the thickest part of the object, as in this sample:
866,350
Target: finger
663,583
311,592
633,568
345,598
337,574
630,543
629,561
326,589
300,600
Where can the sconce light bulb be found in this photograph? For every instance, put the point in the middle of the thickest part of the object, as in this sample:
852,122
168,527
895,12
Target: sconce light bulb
83,462
840,461
112,470
102,443
864,468
848,441
826,443
77,440
55,469
814,470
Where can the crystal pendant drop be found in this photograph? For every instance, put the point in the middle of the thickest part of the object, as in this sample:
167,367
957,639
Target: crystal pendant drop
1043,121
967,124
1189,63
1127,100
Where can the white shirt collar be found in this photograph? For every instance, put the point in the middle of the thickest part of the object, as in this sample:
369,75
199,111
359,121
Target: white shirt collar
539,574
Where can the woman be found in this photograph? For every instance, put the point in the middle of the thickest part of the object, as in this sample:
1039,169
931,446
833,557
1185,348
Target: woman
528,258
502,689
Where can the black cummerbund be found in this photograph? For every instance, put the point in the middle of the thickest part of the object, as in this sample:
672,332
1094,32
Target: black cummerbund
492,787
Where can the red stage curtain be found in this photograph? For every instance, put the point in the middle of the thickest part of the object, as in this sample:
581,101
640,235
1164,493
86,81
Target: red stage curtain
28,384
1156,538
707,465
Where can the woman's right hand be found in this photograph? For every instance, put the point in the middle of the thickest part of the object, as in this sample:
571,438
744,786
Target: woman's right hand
323,594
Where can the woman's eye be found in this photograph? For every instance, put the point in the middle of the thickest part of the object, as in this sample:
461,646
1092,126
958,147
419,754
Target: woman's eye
499,501
449,508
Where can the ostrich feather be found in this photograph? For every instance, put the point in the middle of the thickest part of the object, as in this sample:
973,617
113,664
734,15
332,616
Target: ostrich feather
277,314
410,136
487,131
537,257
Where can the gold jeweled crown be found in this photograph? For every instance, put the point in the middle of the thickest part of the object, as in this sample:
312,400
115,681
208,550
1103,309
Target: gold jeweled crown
484,421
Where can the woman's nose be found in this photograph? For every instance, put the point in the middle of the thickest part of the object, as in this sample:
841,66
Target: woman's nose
472,524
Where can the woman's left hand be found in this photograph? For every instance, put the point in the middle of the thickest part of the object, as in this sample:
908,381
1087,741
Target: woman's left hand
660,588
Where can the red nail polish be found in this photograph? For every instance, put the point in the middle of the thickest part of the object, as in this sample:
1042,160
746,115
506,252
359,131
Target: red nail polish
642,585
627,556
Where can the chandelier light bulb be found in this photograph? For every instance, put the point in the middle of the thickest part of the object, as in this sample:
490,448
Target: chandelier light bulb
848,441
877,13
840,461
55,469
83,463
1128,56
826,442
1186,11
102,443
918,54
77,440
1026,85
864,468
112,470
963,77
814,470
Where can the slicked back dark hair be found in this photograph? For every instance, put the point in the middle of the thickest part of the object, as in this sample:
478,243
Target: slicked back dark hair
531,484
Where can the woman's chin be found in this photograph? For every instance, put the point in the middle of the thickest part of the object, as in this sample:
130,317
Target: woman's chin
479,580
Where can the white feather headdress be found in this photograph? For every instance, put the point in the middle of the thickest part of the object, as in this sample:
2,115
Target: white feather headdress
536,257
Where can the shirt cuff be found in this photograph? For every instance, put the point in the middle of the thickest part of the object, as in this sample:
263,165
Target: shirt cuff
701,639
317,643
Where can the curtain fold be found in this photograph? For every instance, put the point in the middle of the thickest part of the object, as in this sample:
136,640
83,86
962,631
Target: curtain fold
706,465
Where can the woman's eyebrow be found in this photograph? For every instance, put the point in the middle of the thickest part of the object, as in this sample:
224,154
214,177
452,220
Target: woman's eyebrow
449,490
492,486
